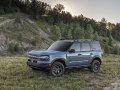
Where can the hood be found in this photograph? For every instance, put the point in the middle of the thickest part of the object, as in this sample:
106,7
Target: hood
44,52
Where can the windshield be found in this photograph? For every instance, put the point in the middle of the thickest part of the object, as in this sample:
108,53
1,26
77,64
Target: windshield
60,46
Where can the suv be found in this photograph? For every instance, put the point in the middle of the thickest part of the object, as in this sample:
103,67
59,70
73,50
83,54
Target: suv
67,54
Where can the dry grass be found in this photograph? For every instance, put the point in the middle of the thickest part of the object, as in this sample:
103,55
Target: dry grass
16,75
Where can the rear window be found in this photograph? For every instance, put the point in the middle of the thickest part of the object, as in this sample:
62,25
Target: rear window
95,46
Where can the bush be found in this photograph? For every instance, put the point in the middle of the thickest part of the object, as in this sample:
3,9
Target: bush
20,37
18,20
13,48
116,50
2,11
36,40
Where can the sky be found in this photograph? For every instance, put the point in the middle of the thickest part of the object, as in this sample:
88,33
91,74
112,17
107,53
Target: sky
96,9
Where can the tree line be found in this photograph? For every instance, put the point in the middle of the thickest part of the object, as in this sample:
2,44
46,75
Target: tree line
63,24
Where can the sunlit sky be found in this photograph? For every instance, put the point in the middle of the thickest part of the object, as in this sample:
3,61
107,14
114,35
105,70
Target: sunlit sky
96,9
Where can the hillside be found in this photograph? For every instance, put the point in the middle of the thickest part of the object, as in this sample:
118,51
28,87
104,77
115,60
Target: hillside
19,32
34,24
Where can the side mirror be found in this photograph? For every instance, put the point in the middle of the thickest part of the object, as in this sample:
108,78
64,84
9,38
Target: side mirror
72,50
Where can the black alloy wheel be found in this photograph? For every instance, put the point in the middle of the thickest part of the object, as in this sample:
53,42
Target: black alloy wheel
95,66
57,69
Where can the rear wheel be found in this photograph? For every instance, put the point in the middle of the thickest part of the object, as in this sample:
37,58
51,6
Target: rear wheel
57,69
95,66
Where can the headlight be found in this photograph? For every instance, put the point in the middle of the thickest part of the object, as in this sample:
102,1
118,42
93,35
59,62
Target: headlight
44,57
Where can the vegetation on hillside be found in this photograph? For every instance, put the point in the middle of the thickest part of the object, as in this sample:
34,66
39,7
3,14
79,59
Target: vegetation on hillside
21,34
63,25
16,75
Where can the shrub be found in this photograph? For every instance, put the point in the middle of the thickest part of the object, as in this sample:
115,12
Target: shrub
13,48
18,20
36,40
116,50
20,37
2,11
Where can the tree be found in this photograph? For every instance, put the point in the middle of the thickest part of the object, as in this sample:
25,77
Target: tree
69,34
116,32
34,8
56,32
110,41
103,20
27,6
89,32
110,26
116,50
78,32
59,8
96,36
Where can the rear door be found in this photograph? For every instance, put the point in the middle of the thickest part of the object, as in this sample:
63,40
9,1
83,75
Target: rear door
85,53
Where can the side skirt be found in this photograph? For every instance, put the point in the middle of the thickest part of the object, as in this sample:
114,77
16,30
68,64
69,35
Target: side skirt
85,66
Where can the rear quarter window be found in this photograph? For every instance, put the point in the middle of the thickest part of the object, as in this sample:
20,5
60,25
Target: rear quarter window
95,46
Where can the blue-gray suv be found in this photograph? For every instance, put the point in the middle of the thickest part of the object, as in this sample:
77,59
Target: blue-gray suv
67,54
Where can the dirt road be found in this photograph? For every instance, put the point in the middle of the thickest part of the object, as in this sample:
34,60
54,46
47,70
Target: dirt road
5,21
113,86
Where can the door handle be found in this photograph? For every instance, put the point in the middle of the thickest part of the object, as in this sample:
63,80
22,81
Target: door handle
79,54
91,53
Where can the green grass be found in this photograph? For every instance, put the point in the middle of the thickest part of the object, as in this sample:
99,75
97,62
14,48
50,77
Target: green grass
16,75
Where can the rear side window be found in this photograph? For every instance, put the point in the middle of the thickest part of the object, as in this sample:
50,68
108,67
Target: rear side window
85,46
95,46
75,46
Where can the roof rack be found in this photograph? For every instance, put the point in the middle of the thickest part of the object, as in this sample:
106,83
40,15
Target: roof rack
82,40
61,39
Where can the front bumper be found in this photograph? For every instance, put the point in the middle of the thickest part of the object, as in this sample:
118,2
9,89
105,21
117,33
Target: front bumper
38,63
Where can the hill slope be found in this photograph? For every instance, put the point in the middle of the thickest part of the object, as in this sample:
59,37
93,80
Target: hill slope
23,32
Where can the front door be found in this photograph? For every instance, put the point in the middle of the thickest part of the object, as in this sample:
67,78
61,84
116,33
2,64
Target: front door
74,57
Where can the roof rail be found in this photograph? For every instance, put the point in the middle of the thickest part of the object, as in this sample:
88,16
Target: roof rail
61,39
81,40
76,40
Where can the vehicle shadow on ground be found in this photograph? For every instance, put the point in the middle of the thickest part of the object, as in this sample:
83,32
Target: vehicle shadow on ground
67,71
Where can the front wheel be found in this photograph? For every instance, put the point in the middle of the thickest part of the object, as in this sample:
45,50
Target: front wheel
95,66
57,69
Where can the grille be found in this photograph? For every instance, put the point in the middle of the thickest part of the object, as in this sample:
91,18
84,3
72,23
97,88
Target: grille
33,57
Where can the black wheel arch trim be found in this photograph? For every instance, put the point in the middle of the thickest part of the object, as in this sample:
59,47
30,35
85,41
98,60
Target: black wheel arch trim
97,58
63,61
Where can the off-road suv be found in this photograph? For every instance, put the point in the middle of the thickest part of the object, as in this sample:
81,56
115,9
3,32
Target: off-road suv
67,54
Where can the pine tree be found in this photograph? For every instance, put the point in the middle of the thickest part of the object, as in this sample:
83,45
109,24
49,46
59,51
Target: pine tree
110,41
34,8
89,32
56,32
78,32
27,6
96,36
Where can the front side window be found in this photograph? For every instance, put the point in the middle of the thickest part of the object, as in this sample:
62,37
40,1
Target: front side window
75,46
60,46
85,47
